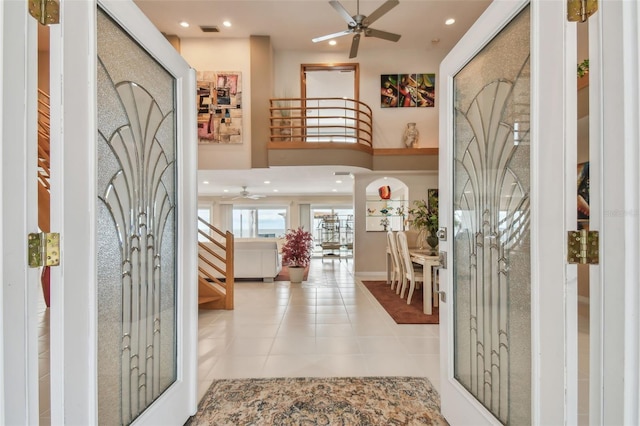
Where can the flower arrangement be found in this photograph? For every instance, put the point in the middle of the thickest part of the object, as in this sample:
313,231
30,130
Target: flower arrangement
424,216
297,248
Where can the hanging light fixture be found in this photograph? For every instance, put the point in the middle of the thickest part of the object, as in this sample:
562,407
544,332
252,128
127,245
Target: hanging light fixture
581,10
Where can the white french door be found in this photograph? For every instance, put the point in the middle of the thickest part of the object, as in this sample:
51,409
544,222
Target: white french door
507,100
123,167
18,215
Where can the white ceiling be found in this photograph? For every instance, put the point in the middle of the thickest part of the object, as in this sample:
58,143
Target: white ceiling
291,25
283,181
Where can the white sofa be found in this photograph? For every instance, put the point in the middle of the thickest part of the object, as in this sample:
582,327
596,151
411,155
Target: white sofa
253,258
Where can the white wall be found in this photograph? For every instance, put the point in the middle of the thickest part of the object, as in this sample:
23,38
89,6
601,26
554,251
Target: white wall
389,123
223,55
370,247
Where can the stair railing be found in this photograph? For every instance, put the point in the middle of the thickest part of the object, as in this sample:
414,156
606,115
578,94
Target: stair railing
321,120
219,260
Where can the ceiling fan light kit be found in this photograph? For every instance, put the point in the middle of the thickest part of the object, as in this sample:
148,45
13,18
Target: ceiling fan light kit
358,24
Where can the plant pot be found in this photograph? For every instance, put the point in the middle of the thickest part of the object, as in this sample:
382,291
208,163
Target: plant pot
296,274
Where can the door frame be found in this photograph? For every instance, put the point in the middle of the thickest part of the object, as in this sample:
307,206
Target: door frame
614,136
18,153
73,214
553,77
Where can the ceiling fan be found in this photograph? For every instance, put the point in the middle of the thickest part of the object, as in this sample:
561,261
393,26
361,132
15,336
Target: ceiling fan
246,194
359,24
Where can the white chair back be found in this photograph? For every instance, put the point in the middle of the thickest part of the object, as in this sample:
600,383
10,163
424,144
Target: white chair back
409,272
397,272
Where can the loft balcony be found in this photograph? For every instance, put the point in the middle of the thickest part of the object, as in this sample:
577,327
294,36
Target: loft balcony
334,131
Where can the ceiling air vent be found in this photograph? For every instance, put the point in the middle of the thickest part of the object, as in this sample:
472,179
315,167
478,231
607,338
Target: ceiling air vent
211,29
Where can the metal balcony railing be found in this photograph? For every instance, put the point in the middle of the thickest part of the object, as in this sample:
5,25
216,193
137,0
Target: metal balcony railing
314,120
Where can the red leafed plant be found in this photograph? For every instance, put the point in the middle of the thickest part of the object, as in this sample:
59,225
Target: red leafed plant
297,247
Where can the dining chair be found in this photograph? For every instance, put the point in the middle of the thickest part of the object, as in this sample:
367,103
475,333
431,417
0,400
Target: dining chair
396,271
411,274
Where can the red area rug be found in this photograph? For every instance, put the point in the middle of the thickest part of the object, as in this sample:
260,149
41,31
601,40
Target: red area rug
398,308
284,274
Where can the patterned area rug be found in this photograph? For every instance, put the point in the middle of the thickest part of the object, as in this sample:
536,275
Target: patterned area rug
320,401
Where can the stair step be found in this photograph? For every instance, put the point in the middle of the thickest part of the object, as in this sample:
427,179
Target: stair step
207,299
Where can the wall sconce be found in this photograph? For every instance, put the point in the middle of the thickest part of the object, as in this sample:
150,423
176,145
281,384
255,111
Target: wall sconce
46,12
581,10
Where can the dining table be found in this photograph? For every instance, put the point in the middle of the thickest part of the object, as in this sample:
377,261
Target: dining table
430,264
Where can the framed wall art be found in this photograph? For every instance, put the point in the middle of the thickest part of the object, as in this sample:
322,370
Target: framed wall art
219,104
407,90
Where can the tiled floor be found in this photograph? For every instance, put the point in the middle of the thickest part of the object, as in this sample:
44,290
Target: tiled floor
328,326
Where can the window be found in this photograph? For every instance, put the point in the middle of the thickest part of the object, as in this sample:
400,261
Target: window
343,215
259,222
204,213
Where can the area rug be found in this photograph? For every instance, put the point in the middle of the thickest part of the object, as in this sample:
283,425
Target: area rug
320,401
284,274
397,308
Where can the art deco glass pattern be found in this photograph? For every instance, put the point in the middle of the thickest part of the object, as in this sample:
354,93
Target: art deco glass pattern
491,216
136,229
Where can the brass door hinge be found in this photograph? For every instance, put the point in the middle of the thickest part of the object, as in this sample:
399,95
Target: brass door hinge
583,247
43,249
46,12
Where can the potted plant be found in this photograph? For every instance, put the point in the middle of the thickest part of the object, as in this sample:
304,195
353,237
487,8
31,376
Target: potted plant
424,218
296,252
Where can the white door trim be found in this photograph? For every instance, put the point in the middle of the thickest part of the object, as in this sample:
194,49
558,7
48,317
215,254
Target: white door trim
18,216
554,283
614,112
74,377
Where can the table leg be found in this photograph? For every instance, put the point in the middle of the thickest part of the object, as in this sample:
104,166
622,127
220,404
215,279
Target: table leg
427,291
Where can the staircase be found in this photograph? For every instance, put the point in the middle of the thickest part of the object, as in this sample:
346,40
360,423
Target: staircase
44,120
44,198
214,292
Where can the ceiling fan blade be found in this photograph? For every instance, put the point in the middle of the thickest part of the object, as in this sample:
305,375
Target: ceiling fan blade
387,6
343,12
354,46
330,36
371,32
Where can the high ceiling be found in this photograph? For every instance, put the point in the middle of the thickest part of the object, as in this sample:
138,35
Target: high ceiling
291,25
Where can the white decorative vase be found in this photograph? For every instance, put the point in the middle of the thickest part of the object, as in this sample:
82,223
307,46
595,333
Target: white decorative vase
411,135
296,274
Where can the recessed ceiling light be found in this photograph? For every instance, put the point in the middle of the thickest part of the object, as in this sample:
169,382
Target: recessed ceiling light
450,21
275,190
206,182
225,190
226,23
267,182
333,42
334,190
338,181
184,24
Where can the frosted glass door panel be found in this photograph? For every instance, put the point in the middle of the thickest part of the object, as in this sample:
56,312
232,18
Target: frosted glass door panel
492,275
136,229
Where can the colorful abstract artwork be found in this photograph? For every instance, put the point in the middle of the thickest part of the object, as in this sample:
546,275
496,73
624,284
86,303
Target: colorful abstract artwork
407,90
219,104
